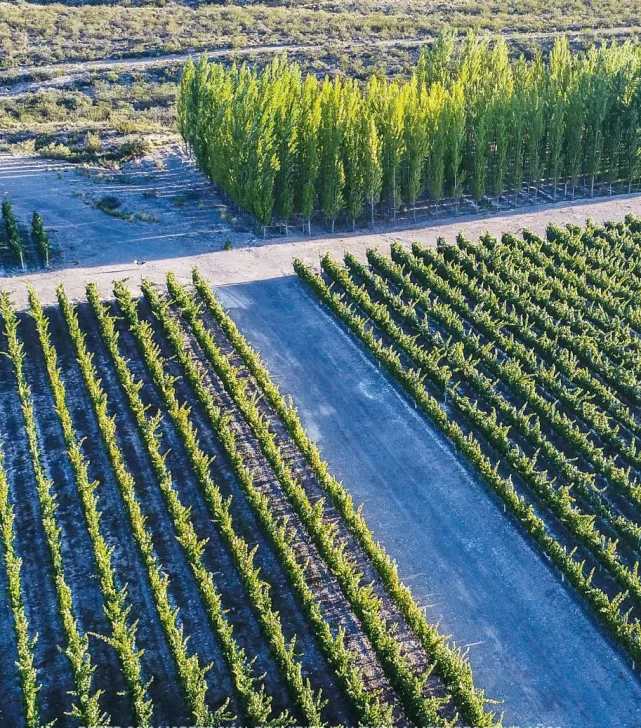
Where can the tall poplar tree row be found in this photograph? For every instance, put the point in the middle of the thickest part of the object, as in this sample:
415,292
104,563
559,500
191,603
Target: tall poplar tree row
470,121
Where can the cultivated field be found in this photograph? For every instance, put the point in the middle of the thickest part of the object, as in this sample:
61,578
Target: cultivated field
320,350
492,457
126,430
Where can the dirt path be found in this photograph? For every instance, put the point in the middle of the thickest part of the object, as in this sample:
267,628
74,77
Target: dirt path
66,72
193,224
274,260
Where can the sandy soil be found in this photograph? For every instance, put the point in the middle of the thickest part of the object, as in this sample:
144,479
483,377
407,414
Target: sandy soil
193,224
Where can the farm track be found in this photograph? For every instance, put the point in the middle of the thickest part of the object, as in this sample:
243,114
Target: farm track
527,634
77,68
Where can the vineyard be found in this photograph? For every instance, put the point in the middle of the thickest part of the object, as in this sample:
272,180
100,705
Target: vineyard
525,354
175,550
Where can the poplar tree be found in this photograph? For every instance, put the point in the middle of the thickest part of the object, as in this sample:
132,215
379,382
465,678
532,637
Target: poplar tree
330,139
455,120
390,121
354,150
372,164
308,149
417,131
536,123
574,128
556,105
439,118
596,109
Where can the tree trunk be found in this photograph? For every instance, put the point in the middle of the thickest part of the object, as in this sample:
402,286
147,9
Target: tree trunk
394,196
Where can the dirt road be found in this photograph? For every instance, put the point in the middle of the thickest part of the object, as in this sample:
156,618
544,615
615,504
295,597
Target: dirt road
67,72
192,228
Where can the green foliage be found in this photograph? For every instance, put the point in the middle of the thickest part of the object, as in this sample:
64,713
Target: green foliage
117,611
24,641
87,709
11,227
191,674
301,691
40,238
467,122
256,703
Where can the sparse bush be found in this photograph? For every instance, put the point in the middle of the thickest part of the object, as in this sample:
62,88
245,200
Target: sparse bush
108,203
135,148
92,142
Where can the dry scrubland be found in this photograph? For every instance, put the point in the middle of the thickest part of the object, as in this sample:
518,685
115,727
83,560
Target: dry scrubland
82,114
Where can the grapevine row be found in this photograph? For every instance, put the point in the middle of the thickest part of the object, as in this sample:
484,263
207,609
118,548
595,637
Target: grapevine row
24,641
123,637
448,664
87,708
300,689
